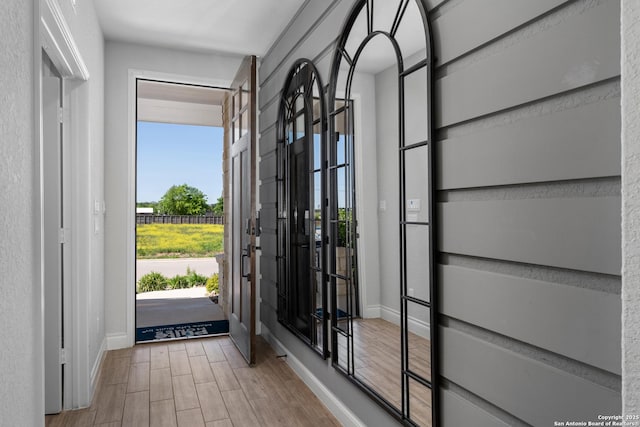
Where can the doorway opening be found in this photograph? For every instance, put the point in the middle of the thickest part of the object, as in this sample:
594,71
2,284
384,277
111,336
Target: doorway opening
179,211
56,257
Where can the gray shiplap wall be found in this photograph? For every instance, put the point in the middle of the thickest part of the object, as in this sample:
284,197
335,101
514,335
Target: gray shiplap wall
529,204
528,185
310,35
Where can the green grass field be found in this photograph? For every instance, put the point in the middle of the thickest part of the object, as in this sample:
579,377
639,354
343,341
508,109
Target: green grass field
178,240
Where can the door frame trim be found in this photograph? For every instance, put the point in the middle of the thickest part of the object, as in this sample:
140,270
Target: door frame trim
129,339
56,39
53,36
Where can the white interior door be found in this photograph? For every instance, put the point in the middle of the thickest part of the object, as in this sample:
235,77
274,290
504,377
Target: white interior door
53,234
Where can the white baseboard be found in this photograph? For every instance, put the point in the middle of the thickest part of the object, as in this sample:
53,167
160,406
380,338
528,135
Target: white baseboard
97,365
335,406
117,341
417,326
372,311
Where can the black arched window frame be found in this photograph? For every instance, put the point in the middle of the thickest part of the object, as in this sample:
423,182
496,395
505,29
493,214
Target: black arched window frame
302,81
341,55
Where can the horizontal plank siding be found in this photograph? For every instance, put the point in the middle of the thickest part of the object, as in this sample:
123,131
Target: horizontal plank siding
268,243
268,217
560,318
528,389
579,234
522,114
268,292
268,141
432,4
269,115
268,165
325,34
268,194
322,59
527,94
269,316
460,412
269,268
307,18
453,36
583,51
573,144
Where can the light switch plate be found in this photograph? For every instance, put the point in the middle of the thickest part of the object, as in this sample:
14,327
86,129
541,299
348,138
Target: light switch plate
413,204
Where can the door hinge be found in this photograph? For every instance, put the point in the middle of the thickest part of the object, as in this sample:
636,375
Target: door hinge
63,114
63,356
63,236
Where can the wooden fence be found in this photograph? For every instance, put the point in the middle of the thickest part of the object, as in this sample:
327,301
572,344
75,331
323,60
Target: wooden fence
178,219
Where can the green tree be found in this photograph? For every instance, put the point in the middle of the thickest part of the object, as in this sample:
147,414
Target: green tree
183,200
218,207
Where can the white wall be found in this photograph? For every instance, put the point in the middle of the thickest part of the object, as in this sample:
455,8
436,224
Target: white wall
387,147
21,386
363,92
119,156
388,191
631,206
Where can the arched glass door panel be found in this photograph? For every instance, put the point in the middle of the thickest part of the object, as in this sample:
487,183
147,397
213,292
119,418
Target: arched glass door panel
380,208
302,296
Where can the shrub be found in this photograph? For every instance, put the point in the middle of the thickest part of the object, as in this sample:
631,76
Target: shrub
212,284
178,282
157,282
195,279
152,282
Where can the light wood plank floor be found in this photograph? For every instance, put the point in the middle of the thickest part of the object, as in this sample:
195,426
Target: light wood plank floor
200,382
377,363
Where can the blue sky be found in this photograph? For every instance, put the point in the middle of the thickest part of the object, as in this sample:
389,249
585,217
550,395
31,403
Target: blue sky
171,154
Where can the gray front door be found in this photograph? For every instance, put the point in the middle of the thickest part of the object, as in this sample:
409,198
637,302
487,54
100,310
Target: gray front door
242,120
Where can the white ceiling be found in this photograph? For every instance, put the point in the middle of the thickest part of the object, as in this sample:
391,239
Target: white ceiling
149,89
178,103
232,26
